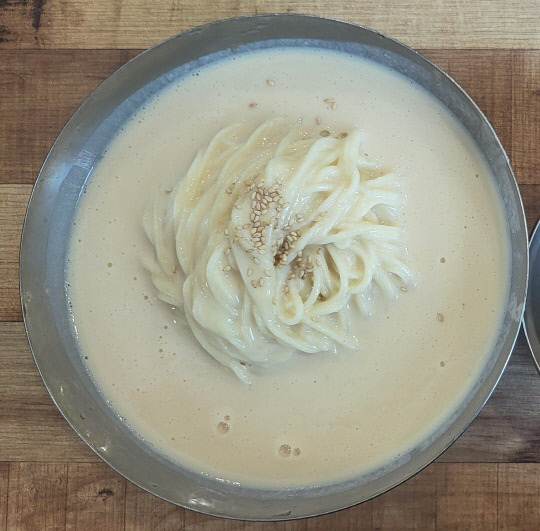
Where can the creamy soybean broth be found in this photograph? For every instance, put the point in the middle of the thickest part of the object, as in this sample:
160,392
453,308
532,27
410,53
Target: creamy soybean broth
320,418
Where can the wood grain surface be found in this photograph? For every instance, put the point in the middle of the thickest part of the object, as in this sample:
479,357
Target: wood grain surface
53,53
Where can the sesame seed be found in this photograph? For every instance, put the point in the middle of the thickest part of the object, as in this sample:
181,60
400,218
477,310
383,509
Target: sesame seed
286,288
267,271
227,251
256,260
226,231
269,82
324,133
254,283
261,282
227,268
249,272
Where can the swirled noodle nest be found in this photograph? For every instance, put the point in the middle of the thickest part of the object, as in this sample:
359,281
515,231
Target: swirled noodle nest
271,237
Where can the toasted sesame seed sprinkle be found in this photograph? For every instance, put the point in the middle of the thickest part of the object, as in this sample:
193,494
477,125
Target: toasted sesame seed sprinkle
227,268
261,282
254,283
249,272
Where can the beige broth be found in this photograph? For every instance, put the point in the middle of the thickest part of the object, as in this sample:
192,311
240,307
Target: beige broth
320,418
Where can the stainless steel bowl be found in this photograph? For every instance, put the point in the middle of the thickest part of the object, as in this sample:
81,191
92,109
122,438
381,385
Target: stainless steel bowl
531,318
50,216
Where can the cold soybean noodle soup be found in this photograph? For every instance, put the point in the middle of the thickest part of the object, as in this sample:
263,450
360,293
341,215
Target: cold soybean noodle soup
312,418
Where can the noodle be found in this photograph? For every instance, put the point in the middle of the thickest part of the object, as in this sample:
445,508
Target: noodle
266,242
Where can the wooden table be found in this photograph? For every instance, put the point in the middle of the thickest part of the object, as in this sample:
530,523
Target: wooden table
52,54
